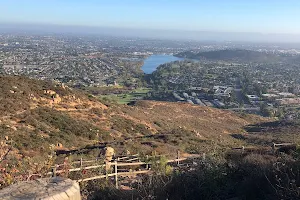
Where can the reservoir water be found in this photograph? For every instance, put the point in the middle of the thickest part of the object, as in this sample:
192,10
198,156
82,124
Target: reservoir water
152,62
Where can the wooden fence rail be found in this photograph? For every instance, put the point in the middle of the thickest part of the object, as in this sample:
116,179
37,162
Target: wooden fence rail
116,164
282,144
115,174
274,146
97,159
120,157
119,164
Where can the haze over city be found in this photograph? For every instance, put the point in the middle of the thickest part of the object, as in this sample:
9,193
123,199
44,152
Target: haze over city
258,20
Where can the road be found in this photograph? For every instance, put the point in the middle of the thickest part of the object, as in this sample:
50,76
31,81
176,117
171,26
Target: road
242,100
238,92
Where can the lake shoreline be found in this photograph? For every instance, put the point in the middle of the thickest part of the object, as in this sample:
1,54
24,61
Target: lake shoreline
152,62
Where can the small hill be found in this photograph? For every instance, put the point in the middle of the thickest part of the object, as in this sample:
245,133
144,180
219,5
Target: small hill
18,94
35,114
232,55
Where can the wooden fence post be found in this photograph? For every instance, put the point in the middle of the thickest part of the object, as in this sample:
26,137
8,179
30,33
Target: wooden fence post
116,174
54,171
106,169
178,156
147,161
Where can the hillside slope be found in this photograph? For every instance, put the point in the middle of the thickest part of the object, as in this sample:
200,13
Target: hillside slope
36,114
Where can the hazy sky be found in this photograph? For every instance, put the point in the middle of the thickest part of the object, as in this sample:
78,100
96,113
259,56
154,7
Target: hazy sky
265,16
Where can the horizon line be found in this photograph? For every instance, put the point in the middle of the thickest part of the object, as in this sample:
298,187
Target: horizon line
142,28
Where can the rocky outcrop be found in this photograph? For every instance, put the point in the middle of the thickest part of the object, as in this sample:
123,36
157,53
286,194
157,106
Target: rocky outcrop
55,188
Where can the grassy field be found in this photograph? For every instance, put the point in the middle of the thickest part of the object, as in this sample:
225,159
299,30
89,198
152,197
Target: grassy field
128,97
